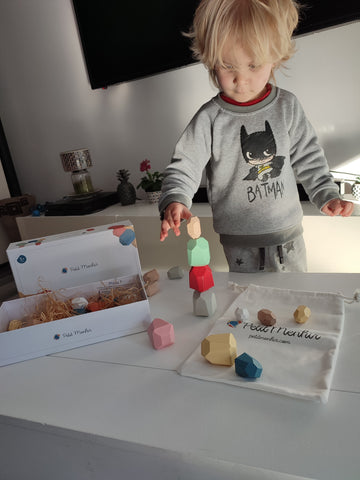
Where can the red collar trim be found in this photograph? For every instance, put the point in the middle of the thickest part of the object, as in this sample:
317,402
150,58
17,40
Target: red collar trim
246,104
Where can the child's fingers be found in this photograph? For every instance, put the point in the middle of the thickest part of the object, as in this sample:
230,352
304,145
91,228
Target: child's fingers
348,209
174,223
165,227
173,219
174,214
338,207
170,223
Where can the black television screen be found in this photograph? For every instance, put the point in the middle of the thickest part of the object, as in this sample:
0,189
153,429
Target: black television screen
124,40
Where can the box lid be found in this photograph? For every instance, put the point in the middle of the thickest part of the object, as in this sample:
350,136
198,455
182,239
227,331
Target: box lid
74,258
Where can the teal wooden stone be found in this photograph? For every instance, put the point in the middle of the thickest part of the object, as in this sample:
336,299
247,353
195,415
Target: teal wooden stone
247,366
198,252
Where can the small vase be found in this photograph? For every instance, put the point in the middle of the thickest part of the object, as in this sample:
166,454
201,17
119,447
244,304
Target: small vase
126,193
355,190
153,197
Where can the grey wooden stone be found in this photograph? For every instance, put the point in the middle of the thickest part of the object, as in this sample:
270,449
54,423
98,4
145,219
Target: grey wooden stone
175,272
204,303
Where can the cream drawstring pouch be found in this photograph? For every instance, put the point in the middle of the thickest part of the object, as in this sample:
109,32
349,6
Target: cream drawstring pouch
297,359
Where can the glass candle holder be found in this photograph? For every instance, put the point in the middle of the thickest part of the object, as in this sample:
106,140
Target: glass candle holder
81,181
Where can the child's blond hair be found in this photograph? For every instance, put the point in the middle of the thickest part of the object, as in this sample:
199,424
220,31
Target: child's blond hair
263,28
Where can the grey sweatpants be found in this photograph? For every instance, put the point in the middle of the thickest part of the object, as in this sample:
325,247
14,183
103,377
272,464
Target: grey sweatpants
289,257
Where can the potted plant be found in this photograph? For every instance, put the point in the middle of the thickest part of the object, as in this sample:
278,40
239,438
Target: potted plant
151,183
126,191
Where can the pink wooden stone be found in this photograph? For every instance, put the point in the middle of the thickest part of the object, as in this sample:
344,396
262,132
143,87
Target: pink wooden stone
161,333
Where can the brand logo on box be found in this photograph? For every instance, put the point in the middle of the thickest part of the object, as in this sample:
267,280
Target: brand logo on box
78,268
21,259
72,333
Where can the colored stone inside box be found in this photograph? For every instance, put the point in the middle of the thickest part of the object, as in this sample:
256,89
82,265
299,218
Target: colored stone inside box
201,278
198,252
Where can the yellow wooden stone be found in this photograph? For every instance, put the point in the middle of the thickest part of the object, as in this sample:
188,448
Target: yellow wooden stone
219,349
15,324
302,314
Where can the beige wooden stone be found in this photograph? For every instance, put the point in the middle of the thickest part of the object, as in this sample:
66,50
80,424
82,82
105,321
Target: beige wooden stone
152,288
151,276
194,227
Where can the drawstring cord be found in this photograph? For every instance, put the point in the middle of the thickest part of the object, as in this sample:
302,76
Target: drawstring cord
354,298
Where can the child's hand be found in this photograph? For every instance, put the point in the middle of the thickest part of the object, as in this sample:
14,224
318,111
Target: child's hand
338,207
173,215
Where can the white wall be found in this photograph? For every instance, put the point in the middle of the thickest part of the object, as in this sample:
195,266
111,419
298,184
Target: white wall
47,105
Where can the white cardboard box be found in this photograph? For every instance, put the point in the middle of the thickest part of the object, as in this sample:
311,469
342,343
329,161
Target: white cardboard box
64,334
73,264
74,258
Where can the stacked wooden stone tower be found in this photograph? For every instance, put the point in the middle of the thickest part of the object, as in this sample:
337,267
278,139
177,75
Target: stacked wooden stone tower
200,275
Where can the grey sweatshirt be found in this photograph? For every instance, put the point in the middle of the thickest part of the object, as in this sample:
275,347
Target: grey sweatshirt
253,156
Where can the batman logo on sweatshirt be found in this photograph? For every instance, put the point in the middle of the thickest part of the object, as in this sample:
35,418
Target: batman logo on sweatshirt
259,150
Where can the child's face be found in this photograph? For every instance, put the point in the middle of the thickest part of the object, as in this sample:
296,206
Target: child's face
240,79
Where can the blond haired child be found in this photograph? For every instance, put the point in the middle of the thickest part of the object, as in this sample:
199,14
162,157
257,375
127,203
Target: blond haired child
253,139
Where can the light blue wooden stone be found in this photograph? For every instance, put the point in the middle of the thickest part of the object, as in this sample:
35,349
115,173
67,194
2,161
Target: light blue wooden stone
198,252
127,237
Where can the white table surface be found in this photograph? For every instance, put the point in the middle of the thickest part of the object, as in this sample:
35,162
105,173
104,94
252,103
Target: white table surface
123,389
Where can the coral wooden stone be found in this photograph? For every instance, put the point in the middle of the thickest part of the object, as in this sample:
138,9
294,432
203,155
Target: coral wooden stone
219,349
161,333
194,227
302,314
95,306
201,278
198,252
266,317
118,230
